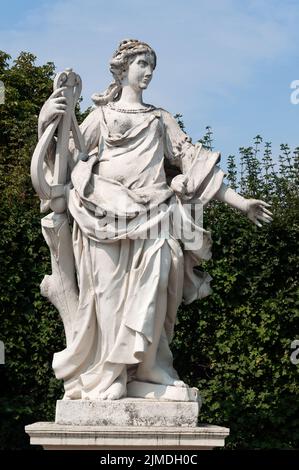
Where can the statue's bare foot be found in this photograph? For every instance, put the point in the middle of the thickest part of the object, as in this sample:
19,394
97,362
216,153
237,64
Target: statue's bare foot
117,390
158,376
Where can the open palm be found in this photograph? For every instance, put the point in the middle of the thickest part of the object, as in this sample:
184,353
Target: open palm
257,212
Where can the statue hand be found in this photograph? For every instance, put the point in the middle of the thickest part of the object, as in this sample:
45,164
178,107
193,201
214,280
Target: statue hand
178,185
257,212
55,105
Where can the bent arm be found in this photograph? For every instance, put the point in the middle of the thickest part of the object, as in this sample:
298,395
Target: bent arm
89,129
202,178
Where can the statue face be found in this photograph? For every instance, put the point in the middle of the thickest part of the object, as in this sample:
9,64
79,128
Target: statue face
140,72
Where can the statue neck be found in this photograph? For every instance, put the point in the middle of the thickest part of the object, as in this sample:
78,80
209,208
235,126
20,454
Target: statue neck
130,97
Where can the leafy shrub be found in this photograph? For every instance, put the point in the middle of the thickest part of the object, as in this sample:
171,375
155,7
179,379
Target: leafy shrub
233,345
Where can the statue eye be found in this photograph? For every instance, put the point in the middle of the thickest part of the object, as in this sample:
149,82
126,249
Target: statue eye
143,63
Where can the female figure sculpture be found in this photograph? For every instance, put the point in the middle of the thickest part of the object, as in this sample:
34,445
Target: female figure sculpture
137,169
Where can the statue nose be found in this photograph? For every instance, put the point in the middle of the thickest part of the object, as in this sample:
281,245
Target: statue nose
148,71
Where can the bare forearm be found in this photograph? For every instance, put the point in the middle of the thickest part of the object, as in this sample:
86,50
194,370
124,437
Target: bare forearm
231,197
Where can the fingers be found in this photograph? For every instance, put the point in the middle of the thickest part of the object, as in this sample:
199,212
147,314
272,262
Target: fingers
263,218
59,103
180,179
179,185
262,211
60,99
266,211
267,217
181,189
263,203
61,106
58,91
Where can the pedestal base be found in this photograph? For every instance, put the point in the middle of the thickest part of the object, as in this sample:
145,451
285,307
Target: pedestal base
128,423
53,436
127,412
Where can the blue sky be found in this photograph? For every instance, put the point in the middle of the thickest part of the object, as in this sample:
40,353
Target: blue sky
224,63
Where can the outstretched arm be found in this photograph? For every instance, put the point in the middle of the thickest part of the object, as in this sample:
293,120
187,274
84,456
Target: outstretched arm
255,209
197,164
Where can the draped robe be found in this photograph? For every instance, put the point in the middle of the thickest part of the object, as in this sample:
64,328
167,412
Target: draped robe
118,198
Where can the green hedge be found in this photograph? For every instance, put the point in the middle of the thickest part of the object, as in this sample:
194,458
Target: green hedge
234,345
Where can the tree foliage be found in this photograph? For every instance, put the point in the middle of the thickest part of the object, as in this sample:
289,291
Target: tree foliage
30,328
234,345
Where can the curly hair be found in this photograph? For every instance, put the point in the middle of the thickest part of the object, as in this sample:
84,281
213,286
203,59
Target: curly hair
126,52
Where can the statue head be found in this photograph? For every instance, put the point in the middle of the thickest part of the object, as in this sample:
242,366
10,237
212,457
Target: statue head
122,58
127,51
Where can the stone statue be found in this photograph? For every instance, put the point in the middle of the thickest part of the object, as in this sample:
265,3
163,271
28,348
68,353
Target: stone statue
110,184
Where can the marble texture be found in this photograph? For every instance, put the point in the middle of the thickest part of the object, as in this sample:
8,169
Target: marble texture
111,183
127,412
163,392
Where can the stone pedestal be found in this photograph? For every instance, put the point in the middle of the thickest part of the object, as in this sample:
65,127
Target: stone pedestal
54,436
127,412
129,423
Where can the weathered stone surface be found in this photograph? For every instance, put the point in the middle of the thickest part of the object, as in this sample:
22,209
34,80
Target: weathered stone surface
54,436
126,258
127,412
162,392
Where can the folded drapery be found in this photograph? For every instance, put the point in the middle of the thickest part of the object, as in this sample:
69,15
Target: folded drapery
135,243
